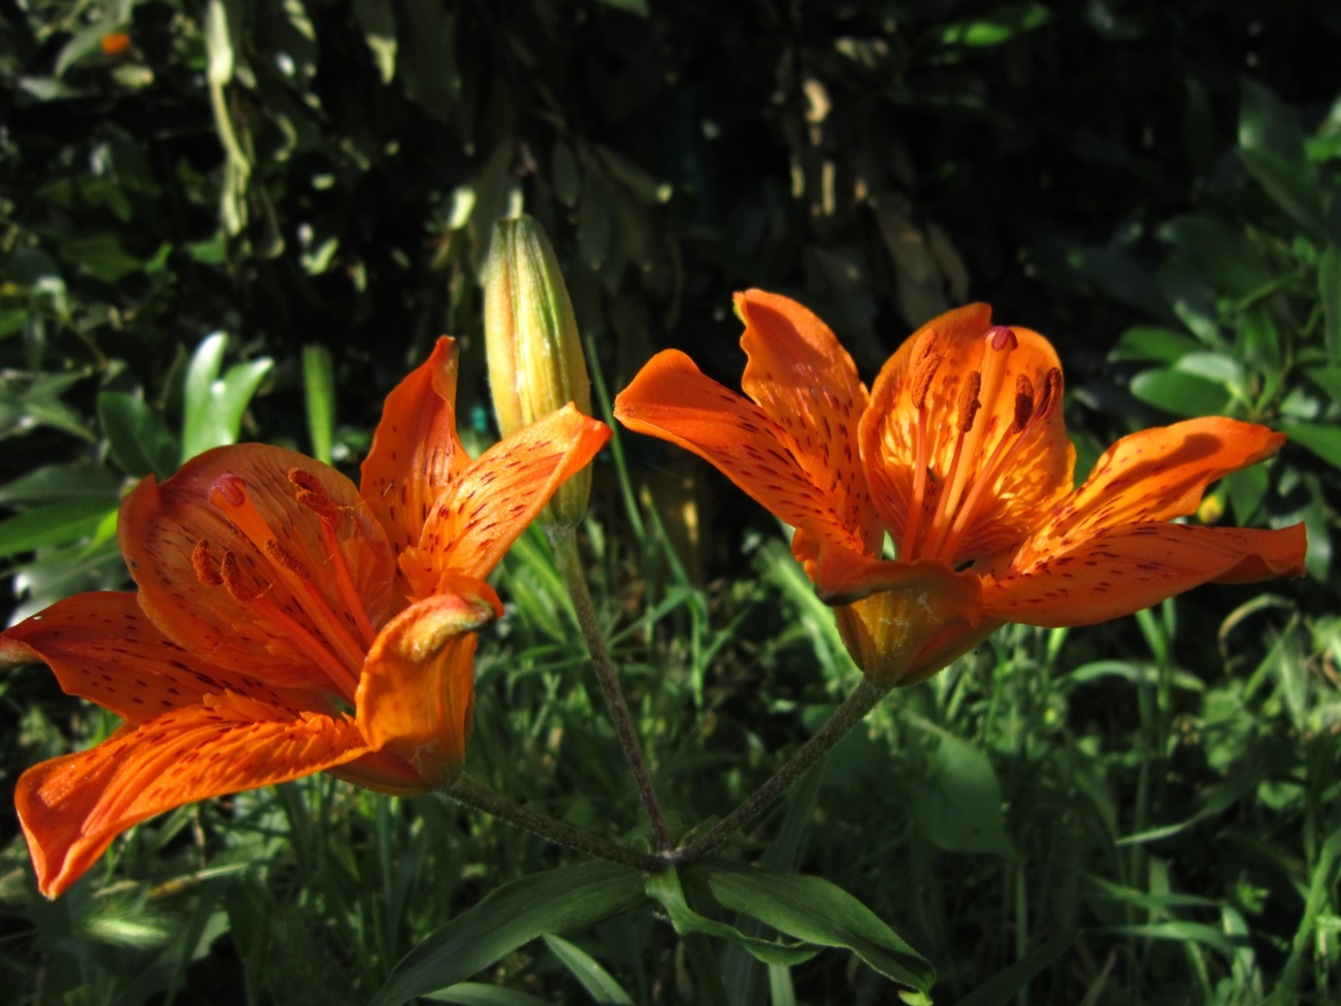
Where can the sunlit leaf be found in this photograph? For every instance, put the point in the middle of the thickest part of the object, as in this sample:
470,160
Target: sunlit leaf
53,524
137,438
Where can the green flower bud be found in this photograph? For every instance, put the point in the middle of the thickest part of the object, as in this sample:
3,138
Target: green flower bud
536,364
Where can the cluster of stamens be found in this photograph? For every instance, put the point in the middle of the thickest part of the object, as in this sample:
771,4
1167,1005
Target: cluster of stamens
336,644
944,505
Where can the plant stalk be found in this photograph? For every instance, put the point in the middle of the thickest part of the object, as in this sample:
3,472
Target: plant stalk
474,793
854,708
563,541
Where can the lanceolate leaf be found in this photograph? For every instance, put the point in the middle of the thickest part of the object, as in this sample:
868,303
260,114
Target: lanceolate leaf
667,889
569,898
814,910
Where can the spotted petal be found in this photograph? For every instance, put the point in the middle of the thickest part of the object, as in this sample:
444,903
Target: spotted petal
415,452
482,513
417,692
1115,572
73,806
103,648
672,399
807,384
232,565
1157,475
912,431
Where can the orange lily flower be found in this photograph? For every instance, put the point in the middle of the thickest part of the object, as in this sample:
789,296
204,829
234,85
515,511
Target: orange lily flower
958,458
288,622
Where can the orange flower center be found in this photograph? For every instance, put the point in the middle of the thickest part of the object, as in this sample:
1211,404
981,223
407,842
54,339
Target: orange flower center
336,642
945,505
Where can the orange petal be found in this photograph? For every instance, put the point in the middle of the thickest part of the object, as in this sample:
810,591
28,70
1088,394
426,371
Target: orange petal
415,452
417,694
72,807
901,621
1018,473
672,399
1158,474
807,384
103,648
1122,570
476,520
383,772
233,567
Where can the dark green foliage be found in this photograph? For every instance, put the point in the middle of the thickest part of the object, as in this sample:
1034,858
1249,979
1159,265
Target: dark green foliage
247,225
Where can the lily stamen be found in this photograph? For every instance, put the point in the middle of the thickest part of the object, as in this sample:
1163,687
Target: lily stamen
313,497
926,362
1000,342
228,494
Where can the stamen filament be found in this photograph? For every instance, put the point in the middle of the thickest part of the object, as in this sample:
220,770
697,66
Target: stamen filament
341,675
228,494
1026,419
926,361
999,343
344,581
310,494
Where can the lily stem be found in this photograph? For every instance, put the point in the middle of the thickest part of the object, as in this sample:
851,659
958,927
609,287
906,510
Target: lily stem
563,541
863,699
474,793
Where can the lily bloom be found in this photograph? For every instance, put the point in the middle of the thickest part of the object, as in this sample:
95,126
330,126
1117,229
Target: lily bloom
957,461
288,622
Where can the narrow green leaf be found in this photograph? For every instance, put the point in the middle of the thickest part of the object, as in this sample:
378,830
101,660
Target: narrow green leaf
319,388
1180,393
1271,147
1179,931
1329,294
1010,981
816,911
598,982
56,524
137,438
214,406
1156,345
1000,27
476,994
666,888
740,971
56,483
1320,438
571,897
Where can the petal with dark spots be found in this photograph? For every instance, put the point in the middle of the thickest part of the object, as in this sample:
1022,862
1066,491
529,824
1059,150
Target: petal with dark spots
103,648
672,399
491,503
1117,572
72,807
415,452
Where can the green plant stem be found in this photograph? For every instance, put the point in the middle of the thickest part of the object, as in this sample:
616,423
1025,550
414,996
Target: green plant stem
854,708
474,793
563,540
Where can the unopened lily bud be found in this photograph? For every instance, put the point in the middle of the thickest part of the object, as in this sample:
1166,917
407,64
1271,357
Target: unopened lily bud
536,364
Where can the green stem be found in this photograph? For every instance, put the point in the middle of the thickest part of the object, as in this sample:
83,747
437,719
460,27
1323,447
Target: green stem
476,794
563,540
854,708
